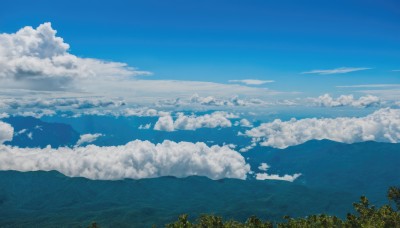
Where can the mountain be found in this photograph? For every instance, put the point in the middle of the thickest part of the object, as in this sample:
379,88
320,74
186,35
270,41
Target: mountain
49,199
361,168
32,132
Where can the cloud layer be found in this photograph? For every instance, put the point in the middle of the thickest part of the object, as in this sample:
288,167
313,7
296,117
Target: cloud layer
136,160
381,126
57,103
192,122
345,100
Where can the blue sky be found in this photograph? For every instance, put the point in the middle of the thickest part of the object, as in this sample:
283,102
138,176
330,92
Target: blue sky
249,66
223,40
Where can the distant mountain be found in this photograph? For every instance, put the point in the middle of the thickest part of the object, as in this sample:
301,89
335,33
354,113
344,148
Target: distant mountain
32,132
49,199
361,168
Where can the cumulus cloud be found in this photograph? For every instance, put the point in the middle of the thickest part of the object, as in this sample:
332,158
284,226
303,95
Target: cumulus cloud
193,122
243,123
38,59
381,126
6,132
340,70
263,167
136,160
252,81
345,100
88,138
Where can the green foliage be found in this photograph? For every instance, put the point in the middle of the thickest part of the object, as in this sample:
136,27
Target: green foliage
394,195
93,225
205,221
366,216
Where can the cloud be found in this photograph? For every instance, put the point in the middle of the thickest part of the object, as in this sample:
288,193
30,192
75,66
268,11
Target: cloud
196,100
141,112
252,81
243,123
340,70
369,86
53,103
38,59
88,138
184,122
37,113
381,126
265,176
6,132
144,126
136,160
286,177
345,100
263,167
4,115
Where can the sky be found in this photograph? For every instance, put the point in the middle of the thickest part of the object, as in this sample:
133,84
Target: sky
218,41
276,73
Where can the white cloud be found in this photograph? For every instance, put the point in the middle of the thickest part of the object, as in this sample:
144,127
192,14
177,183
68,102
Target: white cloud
52,103
340,70
145,126
4,115
38,59
142,112
192,122
265,176
21,132
195,99
37,113
369,86
243,123
136,160
6,132
345,100
164,123
88,138
263,167
252,81
381,126
35,61
286,177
